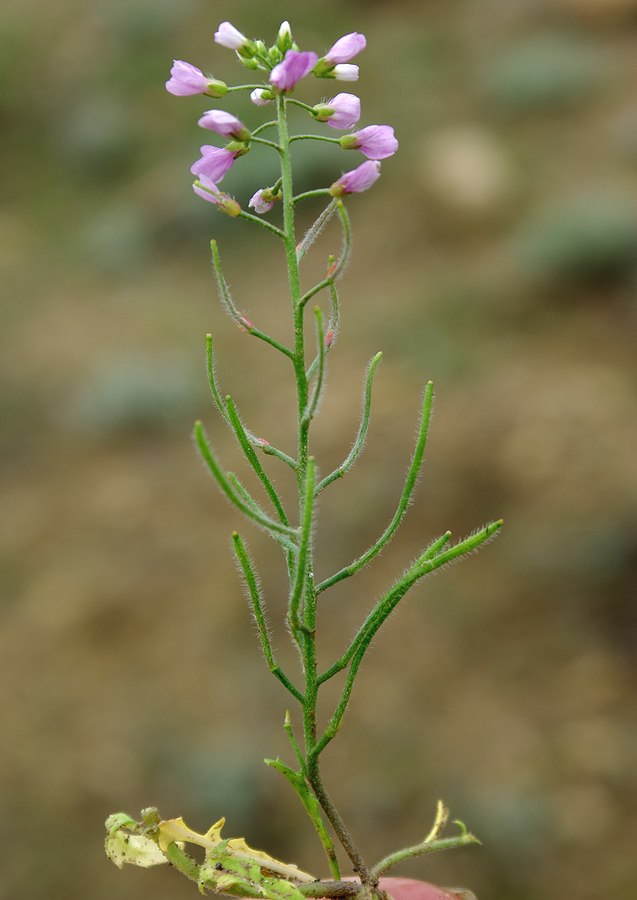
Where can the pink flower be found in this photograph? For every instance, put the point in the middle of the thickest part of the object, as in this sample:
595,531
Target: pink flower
345,73
260,97
375,141
345,48
262,201
342,111
206,189
224,123
229,36
295,66
186,79
214,162
357,180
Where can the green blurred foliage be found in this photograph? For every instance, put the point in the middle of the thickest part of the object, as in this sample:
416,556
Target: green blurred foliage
549,72
592,239
496,256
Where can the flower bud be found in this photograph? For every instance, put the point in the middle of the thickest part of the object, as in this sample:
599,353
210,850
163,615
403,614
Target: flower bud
357,180
261,96
342,111
284,37
186,79
345,73
229,36
206,188
375,141
224,123
345,48
263,200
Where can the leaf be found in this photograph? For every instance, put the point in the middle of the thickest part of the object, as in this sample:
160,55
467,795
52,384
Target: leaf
122,845
234,848
230,866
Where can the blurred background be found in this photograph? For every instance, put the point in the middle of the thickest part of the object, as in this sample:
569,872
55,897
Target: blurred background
497,256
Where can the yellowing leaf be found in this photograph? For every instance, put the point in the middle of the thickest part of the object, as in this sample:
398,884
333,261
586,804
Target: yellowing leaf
177,830
136,849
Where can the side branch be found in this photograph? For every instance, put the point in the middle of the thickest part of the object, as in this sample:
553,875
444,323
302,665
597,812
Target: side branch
262,222
359,442
410,483
332,326
385,606
319,224
256,602
337,269
344,660
262,445
228,303
294,616
253,459
245,495
431,844
271,144
312,405
212,463
311,806
315,137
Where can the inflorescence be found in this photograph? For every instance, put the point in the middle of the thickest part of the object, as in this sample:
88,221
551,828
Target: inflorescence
285,66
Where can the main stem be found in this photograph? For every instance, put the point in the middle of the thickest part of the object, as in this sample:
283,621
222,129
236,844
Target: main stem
305,635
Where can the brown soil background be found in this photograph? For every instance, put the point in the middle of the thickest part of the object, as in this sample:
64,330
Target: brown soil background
496,256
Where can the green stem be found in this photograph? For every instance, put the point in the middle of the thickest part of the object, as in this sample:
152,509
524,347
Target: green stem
258,140
262,222
315,137
269,450
248,87
263,127
308,195
304,628
298,780
304,106
433,843
358,864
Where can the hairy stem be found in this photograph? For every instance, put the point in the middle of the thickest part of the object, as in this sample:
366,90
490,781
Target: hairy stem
303,619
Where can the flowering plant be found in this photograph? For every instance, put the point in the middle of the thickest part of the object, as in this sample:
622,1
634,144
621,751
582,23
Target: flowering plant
230,866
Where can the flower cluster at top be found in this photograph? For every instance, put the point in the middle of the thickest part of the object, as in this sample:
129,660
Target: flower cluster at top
286,65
